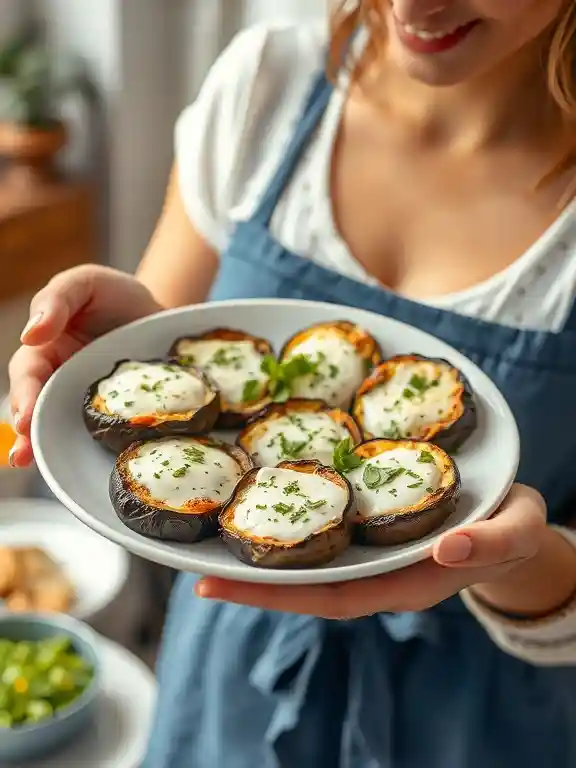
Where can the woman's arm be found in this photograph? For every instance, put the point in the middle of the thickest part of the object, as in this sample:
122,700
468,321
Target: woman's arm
178,266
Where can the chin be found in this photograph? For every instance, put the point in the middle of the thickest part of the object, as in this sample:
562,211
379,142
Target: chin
436,71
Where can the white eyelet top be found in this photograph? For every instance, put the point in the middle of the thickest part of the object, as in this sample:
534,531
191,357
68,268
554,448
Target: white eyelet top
231,139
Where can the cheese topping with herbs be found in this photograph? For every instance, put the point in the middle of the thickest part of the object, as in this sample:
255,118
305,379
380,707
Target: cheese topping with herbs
297,436
393,481
339,368
234,366
416,397
289,506
181,469
141,389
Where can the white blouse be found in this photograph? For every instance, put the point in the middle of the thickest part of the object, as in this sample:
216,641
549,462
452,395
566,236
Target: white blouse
229,143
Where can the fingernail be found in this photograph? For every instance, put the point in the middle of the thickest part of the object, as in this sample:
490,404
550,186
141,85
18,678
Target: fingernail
12,457
17,419
202,589
34,320
455,549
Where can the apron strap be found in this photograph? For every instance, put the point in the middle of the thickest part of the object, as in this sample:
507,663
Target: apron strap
314,109
570,324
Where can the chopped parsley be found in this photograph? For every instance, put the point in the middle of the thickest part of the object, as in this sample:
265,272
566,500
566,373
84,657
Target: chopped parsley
194,454
426,457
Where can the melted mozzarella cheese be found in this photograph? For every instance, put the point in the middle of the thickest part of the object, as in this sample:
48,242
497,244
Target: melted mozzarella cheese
394,480
289,506
179,470
298,436
399,409
340,369
230,364
141,389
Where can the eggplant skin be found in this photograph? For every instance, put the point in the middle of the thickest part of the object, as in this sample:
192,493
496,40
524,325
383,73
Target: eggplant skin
449,438
414,524
238,415
315,550
165,524
116,434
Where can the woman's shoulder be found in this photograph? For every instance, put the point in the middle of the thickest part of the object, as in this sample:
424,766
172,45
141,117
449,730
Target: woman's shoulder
233,132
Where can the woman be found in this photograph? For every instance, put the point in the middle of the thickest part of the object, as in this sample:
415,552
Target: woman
430,179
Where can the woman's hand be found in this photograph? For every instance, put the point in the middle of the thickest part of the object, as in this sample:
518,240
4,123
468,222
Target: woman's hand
508,553
73,309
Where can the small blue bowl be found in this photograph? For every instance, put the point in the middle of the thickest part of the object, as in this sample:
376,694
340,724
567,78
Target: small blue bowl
26,742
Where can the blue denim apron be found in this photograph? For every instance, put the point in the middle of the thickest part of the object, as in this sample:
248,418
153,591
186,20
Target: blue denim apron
245,688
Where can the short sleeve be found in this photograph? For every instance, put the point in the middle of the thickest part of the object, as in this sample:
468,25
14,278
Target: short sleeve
228,141
204,148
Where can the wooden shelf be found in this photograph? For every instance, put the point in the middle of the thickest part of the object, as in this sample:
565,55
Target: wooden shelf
43,231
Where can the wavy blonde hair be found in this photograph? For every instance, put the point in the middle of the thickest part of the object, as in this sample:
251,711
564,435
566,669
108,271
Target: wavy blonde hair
560,67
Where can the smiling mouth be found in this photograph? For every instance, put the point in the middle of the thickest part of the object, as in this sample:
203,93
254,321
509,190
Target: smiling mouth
434,41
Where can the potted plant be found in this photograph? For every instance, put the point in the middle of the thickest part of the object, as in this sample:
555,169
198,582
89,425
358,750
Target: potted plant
32,87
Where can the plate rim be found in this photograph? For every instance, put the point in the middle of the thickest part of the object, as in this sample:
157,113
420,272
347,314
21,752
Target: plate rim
144,547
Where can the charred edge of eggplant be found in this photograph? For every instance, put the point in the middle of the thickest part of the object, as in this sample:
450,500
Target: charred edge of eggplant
166,524
301,405
453,436
372,359
313,551
412,525
117,434
236,415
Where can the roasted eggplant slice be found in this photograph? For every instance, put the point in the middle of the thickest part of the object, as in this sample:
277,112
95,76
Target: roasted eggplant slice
297,515
174,488
233,360
403,490
415,397
329,361
298,429
143,400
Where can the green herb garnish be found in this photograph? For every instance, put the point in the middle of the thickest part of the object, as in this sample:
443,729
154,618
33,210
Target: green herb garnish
425,458
375,477
283,374
344,459
251,391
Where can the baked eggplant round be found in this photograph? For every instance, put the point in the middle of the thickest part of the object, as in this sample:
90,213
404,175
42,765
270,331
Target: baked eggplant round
403,490
174,488
233,360
419,398
297,515
143,400
296,430
328,362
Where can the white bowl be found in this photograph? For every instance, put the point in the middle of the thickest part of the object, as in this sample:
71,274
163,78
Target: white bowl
97,568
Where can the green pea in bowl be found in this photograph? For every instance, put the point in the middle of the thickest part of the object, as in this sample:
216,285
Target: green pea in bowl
49,683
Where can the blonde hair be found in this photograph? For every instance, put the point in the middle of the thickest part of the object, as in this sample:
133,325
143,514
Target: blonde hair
560,67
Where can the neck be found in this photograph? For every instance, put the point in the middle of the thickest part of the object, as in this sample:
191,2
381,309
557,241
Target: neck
504,106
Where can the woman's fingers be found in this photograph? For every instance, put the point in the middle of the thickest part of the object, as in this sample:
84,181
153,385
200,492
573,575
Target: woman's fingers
21,453
514,534
29,369
55,305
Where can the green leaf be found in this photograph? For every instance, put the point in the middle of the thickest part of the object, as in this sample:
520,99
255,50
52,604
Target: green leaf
344,459
283,374
251,391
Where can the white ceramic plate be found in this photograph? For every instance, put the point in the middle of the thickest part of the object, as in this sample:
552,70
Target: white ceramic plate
119,734
96,567
77,470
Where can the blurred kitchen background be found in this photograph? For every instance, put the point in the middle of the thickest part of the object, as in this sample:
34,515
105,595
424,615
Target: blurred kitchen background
90,188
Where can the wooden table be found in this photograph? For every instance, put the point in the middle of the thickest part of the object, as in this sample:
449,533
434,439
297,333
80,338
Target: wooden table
43,231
